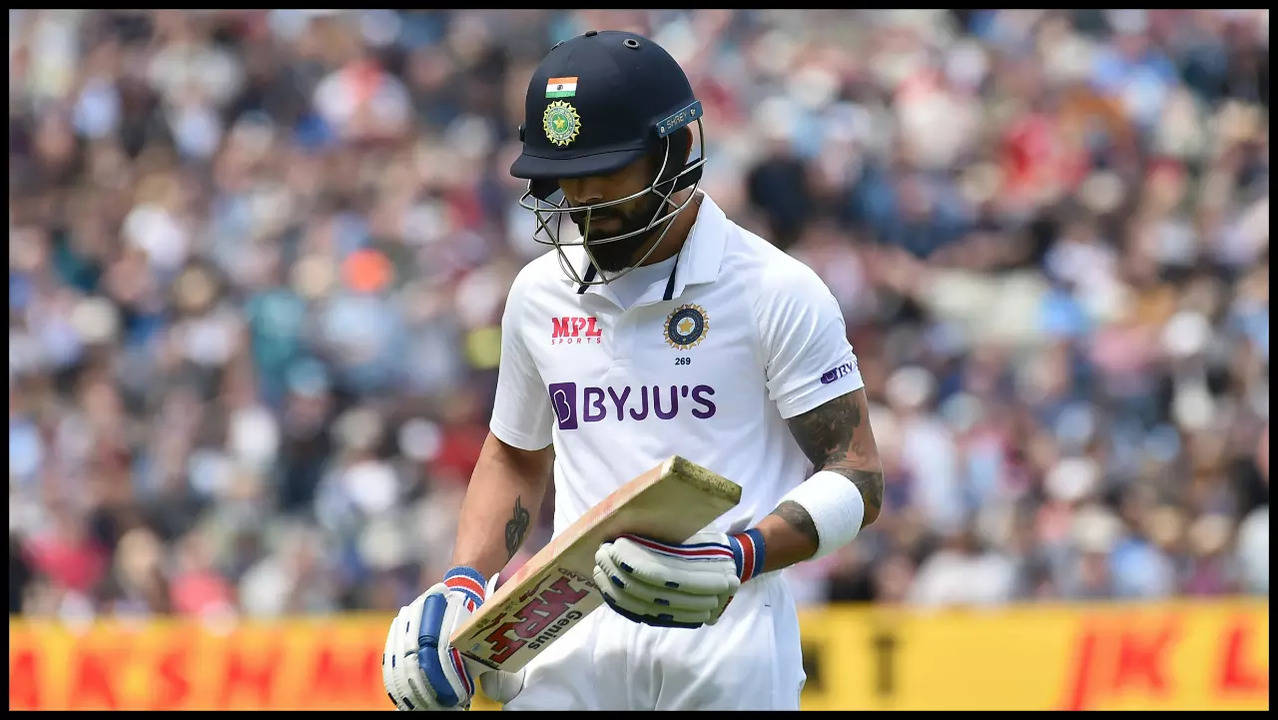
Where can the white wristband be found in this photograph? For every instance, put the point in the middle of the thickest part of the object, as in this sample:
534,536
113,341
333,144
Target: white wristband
835,506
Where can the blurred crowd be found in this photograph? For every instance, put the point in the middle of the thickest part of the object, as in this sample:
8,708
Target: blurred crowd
258,260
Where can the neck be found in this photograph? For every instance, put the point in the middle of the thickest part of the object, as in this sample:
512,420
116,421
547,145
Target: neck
677,235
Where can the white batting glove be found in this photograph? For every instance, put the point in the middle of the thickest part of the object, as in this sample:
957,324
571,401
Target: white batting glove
420,669
685,585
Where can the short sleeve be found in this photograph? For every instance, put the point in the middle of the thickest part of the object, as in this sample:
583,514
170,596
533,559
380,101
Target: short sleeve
805,344
522,415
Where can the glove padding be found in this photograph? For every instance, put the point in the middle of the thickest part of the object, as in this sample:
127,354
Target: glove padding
666,585
420,670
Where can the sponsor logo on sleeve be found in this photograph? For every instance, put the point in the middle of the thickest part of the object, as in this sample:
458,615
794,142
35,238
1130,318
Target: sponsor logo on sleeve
838,372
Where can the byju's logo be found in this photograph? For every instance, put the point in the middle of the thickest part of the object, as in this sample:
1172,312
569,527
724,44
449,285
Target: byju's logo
838,372
628,403
575,330
563,397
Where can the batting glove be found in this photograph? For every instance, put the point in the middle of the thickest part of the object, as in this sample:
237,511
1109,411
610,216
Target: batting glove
686,585
420,669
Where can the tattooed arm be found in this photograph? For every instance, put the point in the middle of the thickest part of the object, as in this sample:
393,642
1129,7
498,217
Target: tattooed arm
501,503
836,436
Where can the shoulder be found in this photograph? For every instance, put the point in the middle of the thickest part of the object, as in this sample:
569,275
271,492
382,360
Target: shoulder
541,274
771,275
533,285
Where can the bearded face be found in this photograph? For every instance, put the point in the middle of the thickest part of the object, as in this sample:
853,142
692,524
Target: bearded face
632,216
618,220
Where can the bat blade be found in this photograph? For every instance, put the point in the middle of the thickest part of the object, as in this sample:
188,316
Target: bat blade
554,590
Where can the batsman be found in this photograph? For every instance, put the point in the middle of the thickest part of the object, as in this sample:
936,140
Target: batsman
654,326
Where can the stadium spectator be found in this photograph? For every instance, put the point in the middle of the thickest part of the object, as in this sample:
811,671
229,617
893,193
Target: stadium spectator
258,259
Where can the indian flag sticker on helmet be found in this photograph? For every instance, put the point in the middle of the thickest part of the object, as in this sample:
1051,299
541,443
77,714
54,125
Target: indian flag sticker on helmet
561,123
561,87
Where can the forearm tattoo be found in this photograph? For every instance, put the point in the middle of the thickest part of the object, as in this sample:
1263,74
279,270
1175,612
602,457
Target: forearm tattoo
835,436
796,517
516,527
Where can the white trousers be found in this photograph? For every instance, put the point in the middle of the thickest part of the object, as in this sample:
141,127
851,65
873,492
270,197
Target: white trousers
749,660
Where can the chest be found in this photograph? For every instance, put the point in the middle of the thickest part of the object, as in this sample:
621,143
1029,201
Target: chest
701,344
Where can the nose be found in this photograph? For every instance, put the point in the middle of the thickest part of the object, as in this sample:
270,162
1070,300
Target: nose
582,191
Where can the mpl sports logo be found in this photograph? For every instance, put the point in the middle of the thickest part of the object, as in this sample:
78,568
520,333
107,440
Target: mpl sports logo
628,403
575,330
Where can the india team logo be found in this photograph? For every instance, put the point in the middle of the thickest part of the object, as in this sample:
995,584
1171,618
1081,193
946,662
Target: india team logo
687,326
561,123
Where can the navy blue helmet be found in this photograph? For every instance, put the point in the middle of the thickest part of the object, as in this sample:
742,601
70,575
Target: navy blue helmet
597,103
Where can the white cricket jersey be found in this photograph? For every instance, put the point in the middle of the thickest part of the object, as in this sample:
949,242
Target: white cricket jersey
748,337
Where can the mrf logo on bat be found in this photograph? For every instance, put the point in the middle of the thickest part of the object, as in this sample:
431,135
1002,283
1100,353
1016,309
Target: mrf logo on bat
542,618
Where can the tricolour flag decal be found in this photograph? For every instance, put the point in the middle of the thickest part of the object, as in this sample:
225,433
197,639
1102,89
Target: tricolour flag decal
561,87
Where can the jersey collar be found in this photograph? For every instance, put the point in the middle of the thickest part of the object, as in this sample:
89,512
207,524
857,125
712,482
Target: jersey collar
699,260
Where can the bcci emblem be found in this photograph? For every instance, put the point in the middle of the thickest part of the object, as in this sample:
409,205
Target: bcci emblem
561,123
686,327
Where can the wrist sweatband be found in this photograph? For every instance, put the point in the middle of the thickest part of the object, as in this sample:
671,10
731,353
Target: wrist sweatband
748,552
470,582
835,506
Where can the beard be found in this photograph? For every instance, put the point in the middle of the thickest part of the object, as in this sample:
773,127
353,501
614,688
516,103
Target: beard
619,255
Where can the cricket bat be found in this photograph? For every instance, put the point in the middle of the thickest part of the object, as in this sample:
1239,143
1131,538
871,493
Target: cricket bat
554,590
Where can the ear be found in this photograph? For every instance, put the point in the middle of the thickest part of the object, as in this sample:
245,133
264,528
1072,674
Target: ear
681,146
678,150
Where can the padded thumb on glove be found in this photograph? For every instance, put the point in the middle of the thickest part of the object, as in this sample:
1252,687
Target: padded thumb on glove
502,686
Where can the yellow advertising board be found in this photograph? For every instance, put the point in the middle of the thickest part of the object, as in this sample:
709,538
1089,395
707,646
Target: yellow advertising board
322,663
1182,655
1179,655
